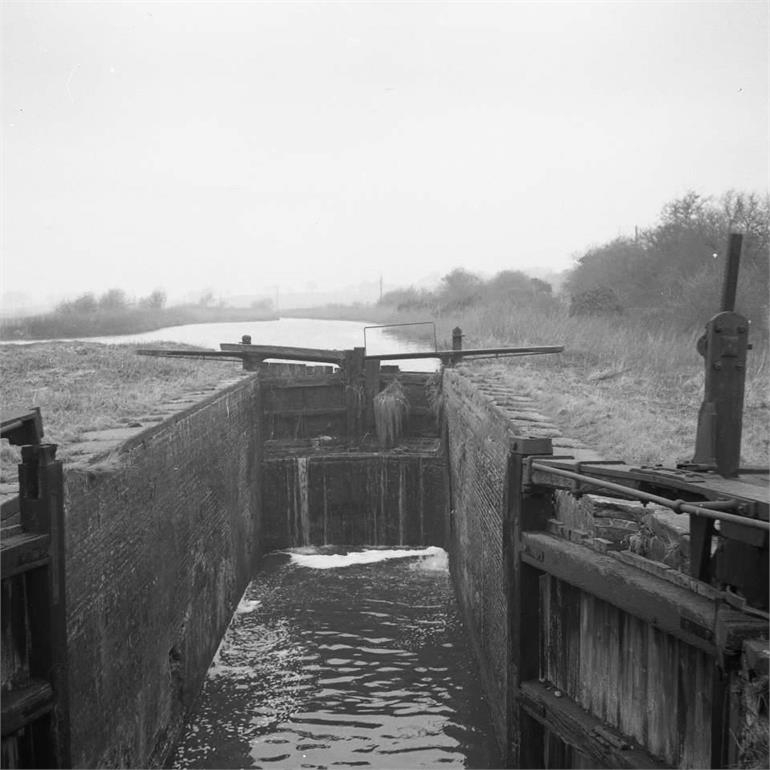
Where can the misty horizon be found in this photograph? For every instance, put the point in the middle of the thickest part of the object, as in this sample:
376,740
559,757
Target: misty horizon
240,147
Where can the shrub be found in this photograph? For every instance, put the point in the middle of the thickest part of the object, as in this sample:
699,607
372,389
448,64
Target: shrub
600,300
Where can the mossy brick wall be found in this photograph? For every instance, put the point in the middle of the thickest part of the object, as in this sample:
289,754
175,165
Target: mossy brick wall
483,416
479,441
162,538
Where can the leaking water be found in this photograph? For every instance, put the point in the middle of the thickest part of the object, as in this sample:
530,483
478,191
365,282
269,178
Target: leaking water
337,659
303,506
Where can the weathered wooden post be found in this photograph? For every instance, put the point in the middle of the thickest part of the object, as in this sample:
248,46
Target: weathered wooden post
526,509
251,363
457,342
372,388
36,708
353,373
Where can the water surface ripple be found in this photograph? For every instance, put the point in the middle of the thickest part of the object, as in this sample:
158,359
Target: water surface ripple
363,665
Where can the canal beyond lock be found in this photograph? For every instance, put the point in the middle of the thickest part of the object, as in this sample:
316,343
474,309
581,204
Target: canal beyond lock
343,658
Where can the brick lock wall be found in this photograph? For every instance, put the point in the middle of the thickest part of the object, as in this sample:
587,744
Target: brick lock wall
162,539
479,440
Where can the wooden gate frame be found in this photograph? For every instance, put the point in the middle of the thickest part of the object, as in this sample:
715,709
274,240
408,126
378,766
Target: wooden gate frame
36,707
530,552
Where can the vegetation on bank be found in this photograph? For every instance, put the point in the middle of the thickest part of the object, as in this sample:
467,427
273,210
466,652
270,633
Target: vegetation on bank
630,381
671,273
82,387
625,390
113,313
629,389
667,278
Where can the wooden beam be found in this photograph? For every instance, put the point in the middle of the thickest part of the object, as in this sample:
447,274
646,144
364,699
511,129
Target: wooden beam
160,353
24,705
353,369
371,389
24,551
664,605
702,621
283,353
603,745
525,509
449,355
320,412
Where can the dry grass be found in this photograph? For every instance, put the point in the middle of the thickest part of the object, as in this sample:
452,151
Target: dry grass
81,387
623,388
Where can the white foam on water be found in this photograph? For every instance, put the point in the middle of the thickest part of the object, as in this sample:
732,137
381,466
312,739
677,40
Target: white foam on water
367,556
436,562
247,605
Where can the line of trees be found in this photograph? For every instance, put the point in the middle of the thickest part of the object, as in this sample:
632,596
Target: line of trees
114,313
111,301
669,274
461,289
674,269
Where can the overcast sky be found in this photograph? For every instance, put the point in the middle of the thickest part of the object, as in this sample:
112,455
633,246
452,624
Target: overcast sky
240,146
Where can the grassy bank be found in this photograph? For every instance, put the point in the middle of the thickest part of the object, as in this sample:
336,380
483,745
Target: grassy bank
81,387
625,386
126,320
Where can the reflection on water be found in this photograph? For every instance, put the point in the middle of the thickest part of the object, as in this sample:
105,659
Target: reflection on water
358,665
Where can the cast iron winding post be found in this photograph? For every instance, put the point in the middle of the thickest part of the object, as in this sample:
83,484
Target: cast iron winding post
723,347
720,420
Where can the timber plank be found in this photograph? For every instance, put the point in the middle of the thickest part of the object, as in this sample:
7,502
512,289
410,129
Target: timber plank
22,706
569,598
695,701
555,671
734,626
284,353
331,382
559,671
9,508
587,648
23,551
662,695
604,746
632,679
611,667
598,683
660,603
302,412
545,626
